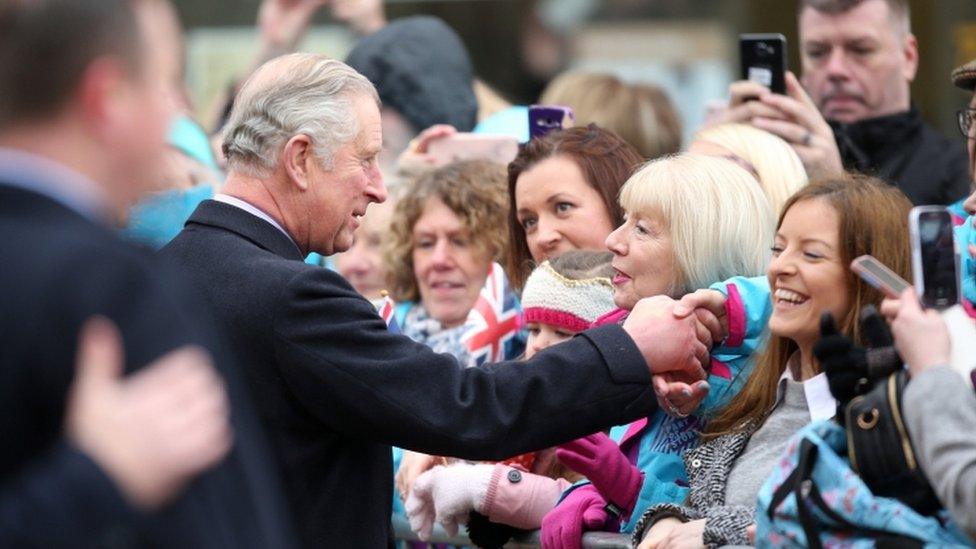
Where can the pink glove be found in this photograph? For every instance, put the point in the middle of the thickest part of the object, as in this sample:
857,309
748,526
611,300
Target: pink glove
581,510
599,459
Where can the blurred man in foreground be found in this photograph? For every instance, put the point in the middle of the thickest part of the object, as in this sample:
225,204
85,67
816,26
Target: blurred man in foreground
90,458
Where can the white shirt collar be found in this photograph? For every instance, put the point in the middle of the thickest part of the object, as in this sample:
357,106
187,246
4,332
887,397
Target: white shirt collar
820,402
253,210
41,175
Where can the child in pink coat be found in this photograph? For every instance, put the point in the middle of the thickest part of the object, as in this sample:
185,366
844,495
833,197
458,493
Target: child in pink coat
562,297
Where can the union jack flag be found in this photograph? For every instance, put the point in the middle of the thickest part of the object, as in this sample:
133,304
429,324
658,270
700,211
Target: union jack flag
387,311
494,322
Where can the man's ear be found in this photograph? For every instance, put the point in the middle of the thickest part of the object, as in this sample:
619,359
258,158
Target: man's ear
101,98
297,159
910,51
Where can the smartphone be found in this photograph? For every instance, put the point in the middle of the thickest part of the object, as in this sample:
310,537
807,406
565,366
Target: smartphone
546,118
878,275
501,149
763,59
935,259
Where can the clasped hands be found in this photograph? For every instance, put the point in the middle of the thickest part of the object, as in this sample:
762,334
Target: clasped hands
675,338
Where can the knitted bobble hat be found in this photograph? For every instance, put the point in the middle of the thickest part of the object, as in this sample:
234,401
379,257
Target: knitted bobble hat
551,298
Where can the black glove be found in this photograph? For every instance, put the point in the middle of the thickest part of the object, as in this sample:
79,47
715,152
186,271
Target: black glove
489,535
851,369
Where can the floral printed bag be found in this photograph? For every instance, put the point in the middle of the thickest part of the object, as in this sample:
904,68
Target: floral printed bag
814,499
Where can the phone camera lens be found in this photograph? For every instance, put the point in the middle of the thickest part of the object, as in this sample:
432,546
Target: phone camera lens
763,49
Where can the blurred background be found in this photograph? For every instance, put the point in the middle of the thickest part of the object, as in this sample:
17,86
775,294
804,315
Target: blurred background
688,47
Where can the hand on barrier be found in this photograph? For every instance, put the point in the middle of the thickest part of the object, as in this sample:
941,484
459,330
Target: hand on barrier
599,459
581,510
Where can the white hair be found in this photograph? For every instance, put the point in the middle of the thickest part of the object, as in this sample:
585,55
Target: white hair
720,222
301,93
778,168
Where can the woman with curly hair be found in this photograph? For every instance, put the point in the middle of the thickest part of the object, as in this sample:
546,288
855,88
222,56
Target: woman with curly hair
448,228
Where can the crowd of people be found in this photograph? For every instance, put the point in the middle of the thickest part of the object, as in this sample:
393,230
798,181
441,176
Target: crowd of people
289,330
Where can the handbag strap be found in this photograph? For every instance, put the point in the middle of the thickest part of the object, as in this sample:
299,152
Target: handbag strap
801,485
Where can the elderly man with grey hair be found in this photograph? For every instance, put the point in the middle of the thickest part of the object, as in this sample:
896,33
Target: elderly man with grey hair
334,387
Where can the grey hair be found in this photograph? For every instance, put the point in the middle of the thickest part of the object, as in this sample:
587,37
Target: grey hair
301,93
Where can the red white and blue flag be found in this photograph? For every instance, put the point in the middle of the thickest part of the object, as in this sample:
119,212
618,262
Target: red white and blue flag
387,311
494,322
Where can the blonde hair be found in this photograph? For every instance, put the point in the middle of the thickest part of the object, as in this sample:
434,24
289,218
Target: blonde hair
641,114
721,225
778,168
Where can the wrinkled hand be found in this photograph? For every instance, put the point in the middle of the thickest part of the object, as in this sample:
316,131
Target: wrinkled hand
658,533
921,335
678,395
282,23
581,510
668,344
709,308
412,465
447,495
153,431
599,459
416,158
688,535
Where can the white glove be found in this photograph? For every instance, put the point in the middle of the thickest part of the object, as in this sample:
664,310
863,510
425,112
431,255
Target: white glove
447,495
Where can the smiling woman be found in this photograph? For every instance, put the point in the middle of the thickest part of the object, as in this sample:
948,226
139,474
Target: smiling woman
562,192
448,228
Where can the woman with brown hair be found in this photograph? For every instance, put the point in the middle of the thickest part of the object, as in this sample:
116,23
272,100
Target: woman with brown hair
821,229
562,192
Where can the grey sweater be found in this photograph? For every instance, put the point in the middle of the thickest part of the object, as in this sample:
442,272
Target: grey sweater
940,411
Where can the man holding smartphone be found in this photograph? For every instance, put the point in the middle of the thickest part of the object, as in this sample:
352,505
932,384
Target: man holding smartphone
854,110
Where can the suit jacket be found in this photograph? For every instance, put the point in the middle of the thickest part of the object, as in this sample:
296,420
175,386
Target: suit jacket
57,269
335,388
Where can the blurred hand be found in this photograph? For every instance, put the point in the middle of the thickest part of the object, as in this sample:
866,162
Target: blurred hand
282,23
153,431
668,344
921,336
658,533
412,465
415,159
688,535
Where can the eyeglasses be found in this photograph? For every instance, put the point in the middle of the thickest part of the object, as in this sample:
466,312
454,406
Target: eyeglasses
966,117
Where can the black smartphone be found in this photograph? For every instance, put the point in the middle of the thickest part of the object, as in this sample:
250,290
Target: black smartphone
546,118
935,261
764,60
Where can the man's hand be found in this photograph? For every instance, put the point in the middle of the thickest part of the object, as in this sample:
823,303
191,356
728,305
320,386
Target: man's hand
153,431
658,533
669,344
283,23
921,336
800,124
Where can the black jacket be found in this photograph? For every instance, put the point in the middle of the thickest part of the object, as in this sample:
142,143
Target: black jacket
336,388
903,150
57,269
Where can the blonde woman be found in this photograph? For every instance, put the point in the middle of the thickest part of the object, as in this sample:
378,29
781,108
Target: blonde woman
769,159
691,220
